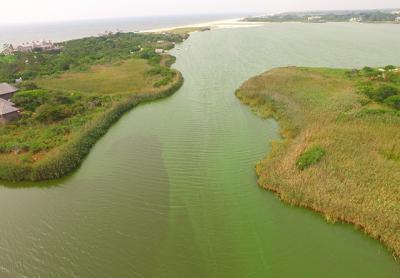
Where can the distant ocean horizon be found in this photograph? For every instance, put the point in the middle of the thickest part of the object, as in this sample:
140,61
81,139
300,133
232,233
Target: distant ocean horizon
62,31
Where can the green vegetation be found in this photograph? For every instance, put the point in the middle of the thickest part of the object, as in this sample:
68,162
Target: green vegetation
65,110
119,78
372,16
79,55
7,59
393,101
184,31
341,153
310,157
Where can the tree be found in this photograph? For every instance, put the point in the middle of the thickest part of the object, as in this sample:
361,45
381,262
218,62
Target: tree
384,92
390,67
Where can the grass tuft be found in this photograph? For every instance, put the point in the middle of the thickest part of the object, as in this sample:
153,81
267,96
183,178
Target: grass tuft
310,157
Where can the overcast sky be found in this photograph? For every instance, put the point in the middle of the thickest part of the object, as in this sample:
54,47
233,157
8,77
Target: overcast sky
60,10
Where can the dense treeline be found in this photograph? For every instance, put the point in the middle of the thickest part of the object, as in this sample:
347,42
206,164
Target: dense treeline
82,53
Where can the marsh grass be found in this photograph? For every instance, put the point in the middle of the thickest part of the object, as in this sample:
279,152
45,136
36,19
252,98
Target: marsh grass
358,181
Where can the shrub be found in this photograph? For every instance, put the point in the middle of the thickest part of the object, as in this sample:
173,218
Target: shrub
368,69
170,62
48,113
162,82
310,157
155,71
393,101
367,90
27,86
390,67
384,92
30,100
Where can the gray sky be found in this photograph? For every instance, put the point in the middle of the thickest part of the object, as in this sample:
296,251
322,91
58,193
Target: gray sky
56,10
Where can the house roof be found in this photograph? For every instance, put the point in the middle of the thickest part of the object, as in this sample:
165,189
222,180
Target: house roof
7,102
7,88
6,107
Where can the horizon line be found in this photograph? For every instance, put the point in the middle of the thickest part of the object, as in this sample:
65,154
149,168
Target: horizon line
253,13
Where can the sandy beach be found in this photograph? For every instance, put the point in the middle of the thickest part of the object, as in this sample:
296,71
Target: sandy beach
226,23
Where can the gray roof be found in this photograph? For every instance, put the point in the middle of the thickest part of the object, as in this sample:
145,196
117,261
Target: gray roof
7,102
7,88
6,107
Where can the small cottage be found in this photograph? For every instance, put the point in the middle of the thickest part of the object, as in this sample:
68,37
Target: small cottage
8,111
7,91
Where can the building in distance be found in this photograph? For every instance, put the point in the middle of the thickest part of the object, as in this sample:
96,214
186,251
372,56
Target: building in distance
42,45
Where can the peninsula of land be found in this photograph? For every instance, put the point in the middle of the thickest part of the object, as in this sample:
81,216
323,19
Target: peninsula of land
340,155
58,99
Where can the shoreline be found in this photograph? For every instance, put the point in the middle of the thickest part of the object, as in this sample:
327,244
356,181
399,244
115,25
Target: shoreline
218,24
55,37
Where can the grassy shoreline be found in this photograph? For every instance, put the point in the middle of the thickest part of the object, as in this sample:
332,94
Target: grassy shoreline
353,179
69,156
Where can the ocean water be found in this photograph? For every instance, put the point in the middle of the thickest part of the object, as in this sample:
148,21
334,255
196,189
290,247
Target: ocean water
61,31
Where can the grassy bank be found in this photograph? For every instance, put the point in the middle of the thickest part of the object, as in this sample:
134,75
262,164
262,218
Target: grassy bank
340,155
60,160
64,113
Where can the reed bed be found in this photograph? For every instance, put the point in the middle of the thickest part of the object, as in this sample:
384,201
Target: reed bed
357,180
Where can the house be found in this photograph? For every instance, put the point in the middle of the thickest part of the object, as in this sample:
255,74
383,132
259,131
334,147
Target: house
159,50
7,91
25,47
314,18
355,19
8,49
397,19
8,111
